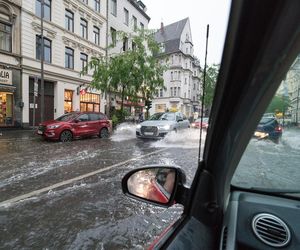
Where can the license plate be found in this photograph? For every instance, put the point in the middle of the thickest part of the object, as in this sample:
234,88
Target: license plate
148,133
40,132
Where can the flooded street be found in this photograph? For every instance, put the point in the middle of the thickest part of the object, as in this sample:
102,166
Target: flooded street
68,195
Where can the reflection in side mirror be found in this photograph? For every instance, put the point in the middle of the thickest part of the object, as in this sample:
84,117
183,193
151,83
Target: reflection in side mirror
154,184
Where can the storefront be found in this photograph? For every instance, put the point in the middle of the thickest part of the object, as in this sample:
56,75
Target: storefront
68,104
6,98
90,102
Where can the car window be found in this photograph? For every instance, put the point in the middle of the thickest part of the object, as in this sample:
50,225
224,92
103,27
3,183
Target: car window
94,117
67,117
83,118
272,157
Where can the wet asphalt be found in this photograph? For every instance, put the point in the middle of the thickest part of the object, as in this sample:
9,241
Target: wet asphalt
90,212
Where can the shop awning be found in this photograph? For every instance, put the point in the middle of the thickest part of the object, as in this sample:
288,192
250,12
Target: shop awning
7,88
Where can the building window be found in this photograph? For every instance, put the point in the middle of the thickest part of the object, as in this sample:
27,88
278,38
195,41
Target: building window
68,104
185,81
171,91
113,33
96,32
175,91
84,28
142,26
5,36
133,46
47,9
97,5
69,58
114,7
126,16
172,78
69,21
90,102
161,92
125,43
179,58
179,75
47,49
6,109
84,60
85,1
134,23
178,91
194,88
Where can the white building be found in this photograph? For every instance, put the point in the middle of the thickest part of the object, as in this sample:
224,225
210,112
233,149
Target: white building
74,31
127,16
182,79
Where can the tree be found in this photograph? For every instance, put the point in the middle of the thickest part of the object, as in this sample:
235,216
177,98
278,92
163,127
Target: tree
211,80
279,104
131,73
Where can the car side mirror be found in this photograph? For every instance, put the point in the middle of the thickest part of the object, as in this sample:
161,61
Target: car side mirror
76,120
155,184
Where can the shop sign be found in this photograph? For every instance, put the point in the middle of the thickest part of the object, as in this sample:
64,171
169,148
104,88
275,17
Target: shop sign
5,76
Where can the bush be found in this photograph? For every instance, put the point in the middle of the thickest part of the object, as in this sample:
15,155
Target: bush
118,117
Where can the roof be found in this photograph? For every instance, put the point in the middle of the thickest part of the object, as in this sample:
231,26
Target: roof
170,35
140,6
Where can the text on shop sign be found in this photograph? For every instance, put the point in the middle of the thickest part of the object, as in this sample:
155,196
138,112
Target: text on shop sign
5,76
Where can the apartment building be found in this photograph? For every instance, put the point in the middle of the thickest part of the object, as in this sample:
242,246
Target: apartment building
127,16
74,31
182,79
10,64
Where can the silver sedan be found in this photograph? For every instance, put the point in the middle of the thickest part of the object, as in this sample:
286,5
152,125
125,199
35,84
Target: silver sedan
160,124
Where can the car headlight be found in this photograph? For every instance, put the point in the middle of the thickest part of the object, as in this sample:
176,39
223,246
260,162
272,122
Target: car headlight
164,127
138,126
53,126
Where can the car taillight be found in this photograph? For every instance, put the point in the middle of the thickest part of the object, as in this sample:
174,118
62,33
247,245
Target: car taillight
278,129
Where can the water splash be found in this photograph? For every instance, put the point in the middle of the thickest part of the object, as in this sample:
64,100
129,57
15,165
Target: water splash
124,131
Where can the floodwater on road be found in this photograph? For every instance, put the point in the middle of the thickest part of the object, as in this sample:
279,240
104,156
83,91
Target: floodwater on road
91,212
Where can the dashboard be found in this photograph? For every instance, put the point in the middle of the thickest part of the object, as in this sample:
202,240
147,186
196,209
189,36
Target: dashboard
258,221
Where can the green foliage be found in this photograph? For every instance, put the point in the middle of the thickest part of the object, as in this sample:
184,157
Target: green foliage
131,73
211,80
279,104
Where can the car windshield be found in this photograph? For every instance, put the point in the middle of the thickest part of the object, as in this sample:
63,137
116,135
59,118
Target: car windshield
67,117
163,116
271,159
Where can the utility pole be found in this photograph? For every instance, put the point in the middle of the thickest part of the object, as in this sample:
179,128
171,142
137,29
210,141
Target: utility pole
42,63
297,107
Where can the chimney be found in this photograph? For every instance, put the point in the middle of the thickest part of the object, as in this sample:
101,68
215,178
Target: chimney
162,27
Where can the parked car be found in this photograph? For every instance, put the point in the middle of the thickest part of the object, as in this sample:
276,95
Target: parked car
197,123
262,42
268,128
161,124
75,125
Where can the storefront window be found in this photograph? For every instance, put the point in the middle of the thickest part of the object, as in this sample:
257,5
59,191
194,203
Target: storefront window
160,108
90,102
68,105
6,109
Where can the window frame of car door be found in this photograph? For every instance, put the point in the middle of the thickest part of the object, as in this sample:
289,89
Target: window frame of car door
248,62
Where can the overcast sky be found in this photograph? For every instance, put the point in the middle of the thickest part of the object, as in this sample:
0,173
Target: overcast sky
201,12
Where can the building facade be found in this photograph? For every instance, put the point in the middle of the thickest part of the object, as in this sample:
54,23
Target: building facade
127,16
10,64
292,82
182,78
74,31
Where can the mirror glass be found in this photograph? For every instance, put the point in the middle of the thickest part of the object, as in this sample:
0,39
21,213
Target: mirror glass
153,184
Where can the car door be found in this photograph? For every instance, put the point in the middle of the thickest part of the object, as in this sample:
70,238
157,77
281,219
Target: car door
95,123
262,41
82,126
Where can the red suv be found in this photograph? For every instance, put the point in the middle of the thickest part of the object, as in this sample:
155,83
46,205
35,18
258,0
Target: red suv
75,125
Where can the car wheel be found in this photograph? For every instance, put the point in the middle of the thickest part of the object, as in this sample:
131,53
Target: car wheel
104,133
66,136
175,130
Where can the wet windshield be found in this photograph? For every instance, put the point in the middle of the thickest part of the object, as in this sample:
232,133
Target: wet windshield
272,158
67,117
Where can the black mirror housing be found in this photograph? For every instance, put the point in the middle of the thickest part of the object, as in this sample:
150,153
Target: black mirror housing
159,185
